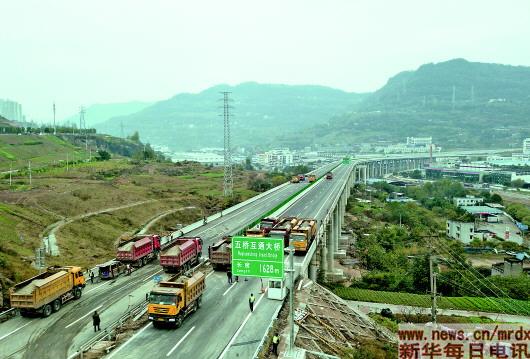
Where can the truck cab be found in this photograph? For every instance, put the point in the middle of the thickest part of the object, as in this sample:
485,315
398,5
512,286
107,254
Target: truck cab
173,300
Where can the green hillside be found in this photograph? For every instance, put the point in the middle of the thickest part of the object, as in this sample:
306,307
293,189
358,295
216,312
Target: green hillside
98,113
17,150
491,108
262,112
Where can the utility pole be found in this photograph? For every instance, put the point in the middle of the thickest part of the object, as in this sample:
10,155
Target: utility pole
432,277
29,169
291,299
454,96
228,184
66,161
54,127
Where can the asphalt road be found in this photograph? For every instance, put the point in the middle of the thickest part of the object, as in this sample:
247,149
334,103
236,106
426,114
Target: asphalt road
52,337
224,327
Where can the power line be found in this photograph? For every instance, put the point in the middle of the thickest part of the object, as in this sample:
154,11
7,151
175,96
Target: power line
470,270
228,184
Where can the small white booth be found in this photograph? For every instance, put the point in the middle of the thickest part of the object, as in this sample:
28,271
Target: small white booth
277,289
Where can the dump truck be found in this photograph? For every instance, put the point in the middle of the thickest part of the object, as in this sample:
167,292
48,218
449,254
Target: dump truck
295,179
267,223
312,178
221,253
139,250
47,292
329,175
182,254
303,234
254,232
283,228
173,300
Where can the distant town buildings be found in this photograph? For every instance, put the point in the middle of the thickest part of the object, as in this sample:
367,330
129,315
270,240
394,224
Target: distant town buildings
467,201
495,170
526,146
11,110
277,158
412,145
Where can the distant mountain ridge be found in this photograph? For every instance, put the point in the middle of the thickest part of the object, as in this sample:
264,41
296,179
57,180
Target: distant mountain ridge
97,113
261,112
432,85
491,107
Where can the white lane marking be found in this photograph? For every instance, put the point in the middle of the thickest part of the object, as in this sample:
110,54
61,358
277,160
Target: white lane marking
84,316
151,276
300,284
180,341
232,286
16,330
88,291
239,329
128,341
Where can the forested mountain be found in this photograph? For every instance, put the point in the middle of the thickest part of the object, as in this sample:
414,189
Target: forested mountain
261,114
491,107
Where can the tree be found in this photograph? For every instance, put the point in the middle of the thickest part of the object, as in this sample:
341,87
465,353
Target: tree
135,137
103,155
248,164
518,183
496,198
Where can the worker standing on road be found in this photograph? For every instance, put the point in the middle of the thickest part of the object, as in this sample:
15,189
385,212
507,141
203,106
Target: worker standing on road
128,269
96,321
92,277
251,302
275,342
229,275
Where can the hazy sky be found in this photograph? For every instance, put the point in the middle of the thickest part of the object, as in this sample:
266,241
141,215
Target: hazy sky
100,51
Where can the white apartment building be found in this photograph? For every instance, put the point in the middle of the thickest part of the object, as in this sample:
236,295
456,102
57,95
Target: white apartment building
419,141
526,146
462,231
278,158
467,201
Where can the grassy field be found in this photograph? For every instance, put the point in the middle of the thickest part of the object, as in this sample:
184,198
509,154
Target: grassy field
17,150
27,210
482,304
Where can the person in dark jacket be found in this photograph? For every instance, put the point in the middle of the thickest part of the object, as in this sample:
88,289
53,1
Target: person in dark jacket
251,300
229,275
96,321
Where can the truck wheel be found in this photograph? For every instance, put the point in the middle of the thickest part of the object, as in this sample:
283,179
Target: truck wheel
199,302
178,321
56,305
24,313
144,261
156,325
77,293
46,310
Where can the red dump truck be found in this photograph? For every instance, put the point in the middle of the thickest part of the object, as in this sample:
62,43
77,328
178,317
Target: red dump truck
282,229
47,292
303,234
182,254
139,250
221,253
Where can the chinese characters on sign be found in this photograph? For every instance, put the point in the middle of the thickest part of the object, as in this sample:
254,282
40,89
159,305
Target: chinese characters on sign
257,257
464,341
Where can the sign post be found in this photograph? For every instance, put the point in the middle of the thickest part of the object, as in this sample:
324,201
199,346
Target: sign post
257,257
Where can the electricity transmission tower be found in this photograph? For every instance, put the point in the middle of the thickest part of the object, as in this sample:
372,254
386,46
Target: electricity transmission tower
228,184
81,119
